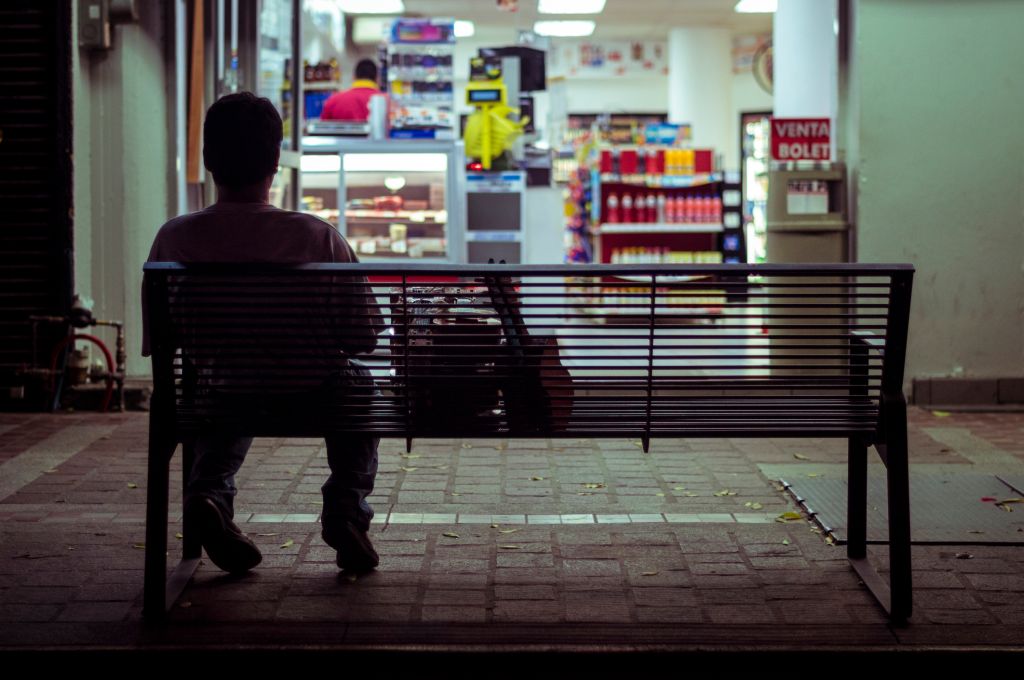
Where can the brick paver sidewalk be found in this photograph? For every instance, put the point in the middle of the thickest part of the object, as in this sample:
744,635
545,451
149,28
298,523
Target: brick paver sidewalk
495,543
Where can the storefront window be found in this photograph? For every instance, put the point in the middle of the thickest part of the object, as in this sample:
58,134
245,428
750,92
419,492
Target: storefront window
276,52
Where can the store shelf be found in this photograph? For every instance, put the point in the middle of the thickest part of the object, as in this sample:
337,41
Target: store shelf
414,216
317,86
663,279
662,181
658,228
694,313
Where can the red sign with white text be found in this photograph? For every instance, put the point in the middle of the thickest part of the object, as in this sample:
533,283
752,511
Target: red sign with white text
801,139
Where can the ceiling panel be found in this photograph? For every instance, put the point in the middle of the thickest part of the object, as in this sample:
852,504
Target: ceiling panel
621,19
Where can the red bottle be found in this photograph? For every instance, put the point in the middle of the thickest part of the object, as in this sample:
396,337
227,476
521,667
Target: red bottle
611,213
652,208
627,209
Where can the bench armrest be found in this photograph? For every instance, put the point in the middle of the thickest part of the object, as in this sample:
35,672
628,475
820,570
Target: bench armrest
868,339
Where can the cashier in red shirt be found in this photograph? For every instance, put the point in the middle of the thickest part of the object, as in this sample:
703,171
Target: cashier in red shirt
354,103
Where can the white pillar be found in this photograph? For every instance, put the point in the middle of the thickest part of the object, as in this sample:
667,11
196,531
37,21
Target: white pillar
700,87
805,58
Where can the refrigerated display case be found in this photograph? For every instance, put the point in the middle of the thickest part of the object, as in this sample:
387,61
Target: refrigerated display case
391,201
755,147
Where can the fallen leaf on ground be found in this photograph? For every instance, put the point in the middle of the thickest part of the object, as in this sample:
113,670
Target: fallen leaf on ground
648,573
679,488
467,446
132,485
594,485
455,493
639,445
659,494
1005,504
450,534
815,474
71,547
179,536
267,535
940,414
964,556
800,456
753,506
408,469
789,517
690,494
725,492
508,531
584,493
287,544
51,471
510,547
351,578
139,546
495,526
536,478
785,541
411,455
830,541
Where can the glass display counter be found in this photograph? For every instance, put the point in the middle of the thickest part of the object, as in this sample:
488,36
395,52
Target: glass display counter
391,200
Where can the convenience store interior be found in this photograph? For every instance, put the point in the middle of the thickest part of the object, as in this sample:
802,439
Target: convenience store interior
686,79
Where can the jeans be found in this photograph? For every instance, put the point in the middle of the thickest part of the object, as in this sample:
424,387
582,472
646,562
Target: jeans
352,459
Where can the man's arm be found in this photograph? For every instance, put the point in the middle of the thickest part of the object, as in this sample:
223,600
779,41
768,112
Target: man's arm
364,320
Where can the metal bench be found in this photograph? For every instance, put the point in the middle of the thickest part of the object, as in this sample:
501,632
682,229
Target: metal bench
637,351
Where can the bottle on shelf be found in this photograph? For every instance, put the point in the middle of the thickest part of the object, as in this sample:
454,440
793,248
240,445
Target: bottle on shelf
661,217
689,209
652,208
627,208
612,213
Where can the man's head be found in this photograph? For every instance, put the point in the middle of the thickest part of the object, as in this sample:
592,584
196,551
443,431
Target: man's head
242,140
366,70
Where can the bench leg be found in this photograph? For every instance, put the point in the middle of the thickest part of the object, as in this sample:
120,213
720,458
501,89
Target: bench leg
857,499
161,449
896,595
161,591
898,474
191,547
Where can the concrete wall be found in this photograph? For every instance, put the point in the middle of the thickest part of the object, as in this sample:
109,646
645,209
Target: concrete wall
935,98
124,174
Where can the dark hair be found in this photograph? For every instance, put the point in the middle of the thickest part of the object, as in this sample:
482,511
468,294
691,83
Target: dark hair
366,70
242,139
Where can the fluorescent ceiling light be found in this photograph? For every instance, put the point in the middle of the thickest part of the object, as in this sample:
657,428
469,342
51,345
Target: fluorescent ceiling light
395,162
570,6
464,29
564,29
371,6
756,6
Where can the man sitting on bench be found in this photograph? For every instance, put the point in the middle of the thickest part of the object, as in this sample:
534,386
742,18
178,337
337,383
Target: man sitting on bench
242,141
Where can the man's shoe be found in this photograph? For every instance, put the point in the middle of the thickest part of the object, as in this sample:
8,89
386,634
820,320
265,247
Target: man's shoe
355,552
226,545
